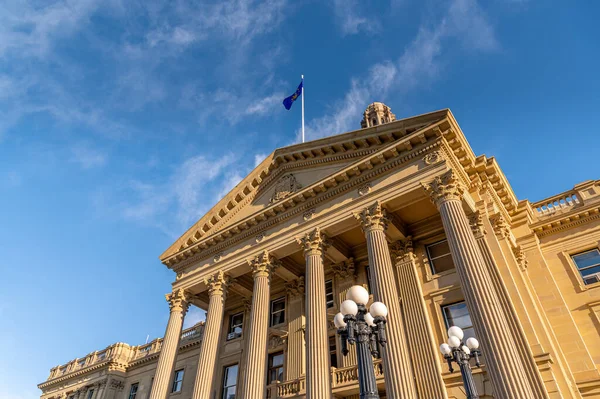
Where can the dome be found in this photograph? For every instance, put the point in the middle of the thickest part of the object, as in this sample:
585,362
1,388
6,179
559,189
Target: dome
377,114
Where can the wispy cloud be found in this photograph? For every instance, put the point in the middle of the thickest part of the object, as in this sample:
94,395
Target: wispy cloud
87,156
352,19
418,66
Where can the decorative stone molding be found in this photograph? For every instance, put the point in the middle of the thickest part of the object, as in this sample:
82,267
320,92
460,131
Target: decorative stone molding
520,257
500,226
373,218
285,187
117,384
218,283
309,214
403,250
313,242
263,264
260,237
178,301
344,269
218,257
433,157
295,287
476,222
364,189
445,187
247,302
276,341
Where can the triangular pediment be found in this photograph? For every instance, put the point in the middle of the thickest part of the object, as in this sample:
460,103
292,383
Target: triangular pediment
292,175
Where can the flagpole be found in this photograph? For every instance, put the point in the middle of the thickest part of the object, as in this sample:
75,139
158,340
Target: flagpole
302,76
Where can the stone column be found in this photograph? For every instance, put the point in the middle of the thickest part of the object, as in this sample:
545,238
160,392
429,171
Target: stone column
256,352
96,388
399,380
516,330
318,375
419,333
166,361
101,386
296,353
217,292
345,275
505,369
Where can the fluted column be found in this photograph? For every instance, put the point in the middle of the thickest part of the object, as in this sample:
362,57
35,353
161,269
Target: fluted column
217,292
399,380
318,376
516,330
166,361
419,333
505,369
296,353
256,353
345,277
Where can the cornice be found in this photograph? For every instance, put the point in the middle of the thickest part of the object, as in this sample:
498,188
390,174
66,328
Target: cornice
187,346
325,192
566,221
77,373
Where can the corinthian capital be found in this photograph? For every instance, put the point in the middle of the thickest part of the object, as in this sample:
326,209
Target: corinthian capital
178,300
314,242
372,218
476,222
402,250
344,269
295,287
263,264
445,188
218,283
500,225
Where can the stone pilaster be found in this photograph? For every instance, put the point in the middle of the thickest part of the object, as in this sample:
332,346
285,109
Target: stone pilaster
419,333
101,387
505,369
217,292
399,381
516,330
96,389
345,277
178,303
318,376
296,353
256,353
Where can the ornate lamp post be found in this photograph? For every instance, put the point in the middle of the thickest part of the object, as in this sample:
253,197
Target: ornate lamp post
456,351
365,329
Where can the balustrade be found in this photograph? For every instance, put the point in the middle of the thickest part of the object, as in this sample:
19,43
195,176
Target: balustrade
556,204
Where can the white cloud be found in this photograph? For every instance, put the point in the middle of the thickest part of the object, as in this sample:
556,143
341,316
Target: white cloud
87,157
418,65
258,158
351,19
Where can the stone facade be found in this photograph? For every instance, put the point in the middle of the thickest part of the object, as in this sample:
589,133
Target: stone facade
406,209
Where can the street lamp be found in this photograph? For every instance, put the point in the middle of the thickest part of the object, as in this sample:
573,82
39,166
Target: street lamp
365,329
456,351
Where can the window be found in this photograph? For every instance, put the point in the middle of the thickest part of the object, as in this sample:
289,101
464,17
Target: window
440,257
332,352
275,372
457,314
133,390
229,382
588,264
90,394
329,293
177,381
236,322
277,311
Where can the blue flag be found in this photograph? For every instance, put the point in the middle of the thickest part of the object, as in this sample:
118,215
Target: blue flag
287,103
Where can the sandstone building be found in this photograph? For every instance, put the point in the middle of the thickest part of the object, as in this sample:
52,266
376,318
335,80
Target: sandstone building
405,208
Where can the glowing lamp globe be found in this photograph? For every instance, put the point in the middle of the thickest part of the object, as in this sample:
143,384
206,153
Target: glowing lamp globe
457,332
472,343
378,309
466,350
338,320
454,342
349,307
358,294
445,349
370,320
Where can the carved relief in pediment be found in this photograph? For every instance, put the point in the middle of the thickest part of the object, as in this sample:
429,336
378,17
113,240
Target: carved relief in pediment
285,187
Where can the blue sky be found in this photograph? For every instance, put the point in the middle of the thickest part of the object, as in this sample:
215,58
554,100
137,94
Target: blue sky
122,122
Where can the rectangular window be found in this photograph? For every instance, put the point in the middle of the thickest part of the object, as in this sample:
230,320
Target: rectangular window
133,390
277,311
177,381
457,314
332,351
275,372
329,293
236,321
588,264
90,394
439,256
229,382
